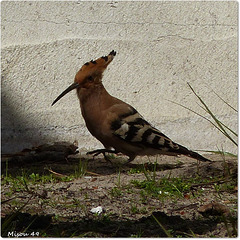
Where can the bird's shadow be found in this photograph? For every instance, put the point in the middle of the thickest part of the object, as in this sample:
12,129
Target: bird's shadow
102,167
45,163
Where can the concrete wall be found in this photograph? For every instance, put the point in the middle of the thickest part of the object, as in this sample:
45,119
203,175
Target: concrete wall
160,47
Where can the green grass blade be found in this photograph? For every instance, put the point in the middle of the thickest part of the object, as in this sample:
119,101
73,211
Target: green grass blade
213,116
218,124
146,174
234,133
29,225
226,102
218,152
162,227
7,222
224,125
197,114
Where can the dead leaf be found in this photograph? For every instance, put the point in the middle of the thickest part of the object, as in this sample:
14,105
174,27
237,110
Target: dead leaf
187,196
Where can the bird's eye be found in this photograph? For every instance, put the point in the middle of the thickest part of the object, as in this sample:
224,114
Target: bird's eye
90,78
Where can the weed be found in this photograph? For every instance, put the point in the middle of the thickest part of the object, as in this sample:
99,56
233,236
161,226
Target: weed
86,196
106,217
135,170
219,125
150,175
139,234
116,192
144,196
168,233
34,177
217,188
9,224
56,217
81,169
134,209
118,184
163,188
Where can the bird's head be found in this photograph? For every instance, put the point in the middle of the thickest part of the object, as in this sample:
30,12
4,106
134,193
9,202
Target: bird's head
89,74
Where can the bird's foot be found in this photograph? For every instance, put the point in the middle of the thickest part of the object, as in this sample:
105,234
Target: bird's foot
130,159
103,151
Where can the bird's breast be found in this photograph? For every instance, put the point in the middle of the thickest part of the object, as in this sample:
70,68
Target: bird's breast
94,105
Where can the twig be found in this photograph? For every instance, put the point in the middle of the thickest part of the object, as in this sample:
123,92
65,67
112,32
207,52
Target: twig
57,174
210,183
92,173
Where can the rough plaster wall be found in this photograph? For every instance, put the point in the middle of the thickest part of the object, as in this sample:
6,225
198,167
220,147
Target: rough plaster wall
160,47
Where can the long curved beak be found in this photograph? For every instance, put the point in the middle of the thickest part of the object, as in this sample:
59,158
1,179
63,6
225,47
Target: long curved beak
70,88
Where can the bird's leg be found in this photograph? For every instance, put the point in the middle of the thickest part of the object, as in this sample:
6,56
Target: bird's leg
103,151
106,158
131,158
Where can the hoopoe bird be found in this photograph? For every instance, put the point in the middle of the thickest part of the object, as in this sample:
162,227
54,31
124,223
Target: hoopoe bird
116,124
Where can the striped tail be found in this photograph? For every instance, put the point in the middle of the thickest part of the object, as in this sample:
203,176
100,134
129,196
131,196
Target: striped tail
192,154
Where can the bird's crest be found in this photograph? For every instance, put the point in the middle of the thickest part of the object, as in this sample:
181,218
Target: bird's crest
89,74
94,68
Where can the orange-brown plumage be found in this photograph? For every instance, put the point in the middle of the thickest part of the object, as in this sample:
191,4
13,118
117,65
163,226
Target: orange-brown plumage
93,70
116,124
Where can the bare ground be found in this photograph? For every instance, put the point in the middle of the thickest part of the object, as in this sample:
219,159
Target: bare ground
133,202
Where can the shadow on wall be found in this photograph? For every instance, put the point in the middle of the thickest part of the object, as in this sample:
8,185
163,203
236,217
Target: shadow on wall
17,130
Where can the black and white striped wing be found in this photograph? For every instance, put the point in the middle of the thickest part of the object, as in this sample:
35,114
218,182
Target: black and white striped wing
132,128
